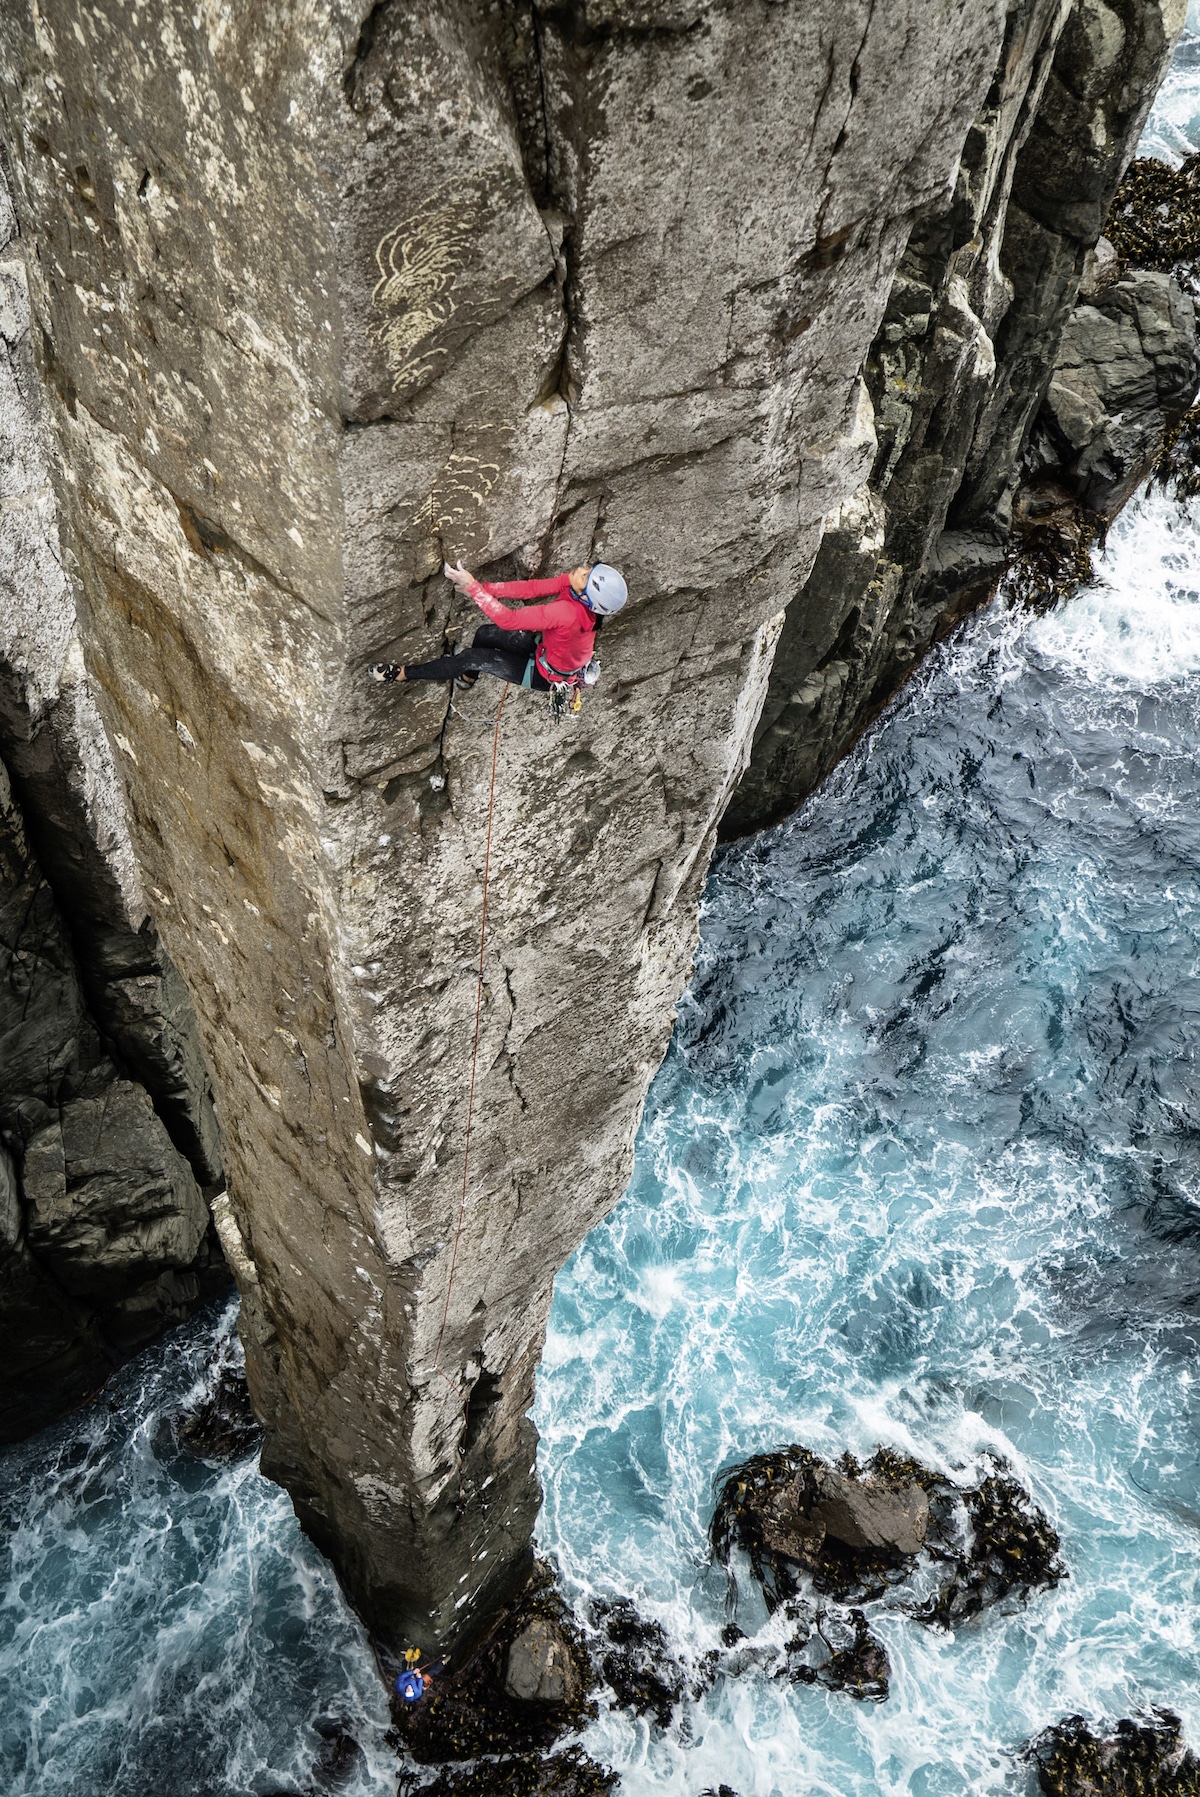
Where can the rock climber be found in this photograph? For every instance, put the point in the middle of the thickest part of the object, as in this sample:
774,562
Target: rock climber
547,647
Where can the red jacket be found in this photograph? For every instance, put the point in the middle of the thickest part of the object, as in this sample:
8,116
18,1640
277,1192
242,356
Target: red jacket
567,626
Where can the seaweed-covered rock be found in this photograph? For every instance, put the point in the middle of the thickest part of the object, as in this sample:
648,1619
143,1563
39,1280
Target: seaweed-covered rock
1146,1758
1155,224
636,1660
221,1425
1178,466
1011,1547
1056,536
1155,218
473,1710
838,1650
569,1774
992,1540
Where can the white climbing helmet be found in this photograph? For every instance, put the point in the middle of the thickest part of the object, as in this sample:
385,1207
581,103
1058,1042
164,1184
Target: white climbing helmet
605,591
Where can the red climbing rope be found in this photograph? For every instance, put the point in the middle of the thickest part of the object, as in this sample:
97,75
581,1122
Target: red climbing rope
462,1206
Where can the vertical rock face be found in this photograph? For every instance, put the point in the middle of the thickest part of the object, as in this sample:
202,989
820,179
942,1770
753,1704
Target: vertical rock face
106,1123
323,294
970,340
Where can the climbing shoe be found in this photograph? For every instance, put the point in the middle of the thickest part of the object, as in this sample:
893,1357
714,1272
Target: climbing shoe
468,680
384,670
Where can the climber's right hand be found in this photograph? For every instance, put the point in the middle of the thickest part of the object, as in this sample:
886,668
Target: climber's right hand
458,576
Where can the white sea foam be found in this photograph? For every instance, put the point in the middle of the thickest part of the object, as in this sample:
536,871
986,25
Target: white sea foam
1139,623
1173,128
164,1626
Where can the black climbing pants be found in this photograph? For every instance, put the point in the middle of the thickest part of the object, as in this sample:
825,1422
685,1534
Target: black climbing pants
504,653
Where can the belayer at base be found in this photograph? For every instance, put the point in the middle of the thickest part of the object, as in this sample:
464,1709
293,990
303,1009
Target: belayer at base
415,1680
547,647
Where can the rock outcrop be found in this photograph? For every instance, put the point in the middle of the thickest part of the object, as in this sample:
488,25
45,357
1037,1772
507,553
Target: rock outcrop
104,1232
856,1533
1128,369
107,1130
539,1667
872,1512
324,293
528,1685
981,322
1125,1759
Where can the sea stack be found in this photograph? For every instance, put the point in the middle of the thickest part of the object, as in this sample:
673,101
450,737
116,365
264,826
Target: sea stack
321,295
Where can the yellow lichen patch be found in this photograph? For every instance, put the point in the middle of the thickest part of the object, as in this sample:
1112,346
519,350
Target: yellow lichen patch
419,263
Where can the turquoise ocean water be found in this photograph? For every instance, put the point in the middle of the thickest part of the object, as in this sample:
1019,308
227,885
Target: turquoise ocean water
922,1167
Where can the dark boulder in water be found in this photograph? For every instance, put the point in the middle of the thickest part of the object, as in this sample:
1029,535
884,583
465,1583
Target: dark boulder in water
872,1513
855,1532
569,1774
837,1650
1146,1758
540,1667
339,1757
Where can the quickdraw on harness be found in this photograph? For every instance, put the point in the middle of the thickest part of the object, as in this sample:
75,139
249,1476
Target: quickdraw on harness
566,687
565,696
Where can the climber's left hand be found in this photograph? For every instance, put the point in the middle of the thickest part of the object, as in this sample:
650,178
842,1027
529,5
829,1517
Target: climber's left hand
459,576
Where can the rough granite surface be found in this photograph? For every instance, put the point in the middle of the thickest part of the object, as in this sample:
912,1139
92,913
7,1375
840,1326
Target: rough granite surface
323,294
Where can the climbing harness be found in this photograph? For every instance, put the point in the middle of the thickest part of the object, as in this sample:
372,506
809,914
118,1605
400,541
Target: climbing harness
462,1205
566,684
566,688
